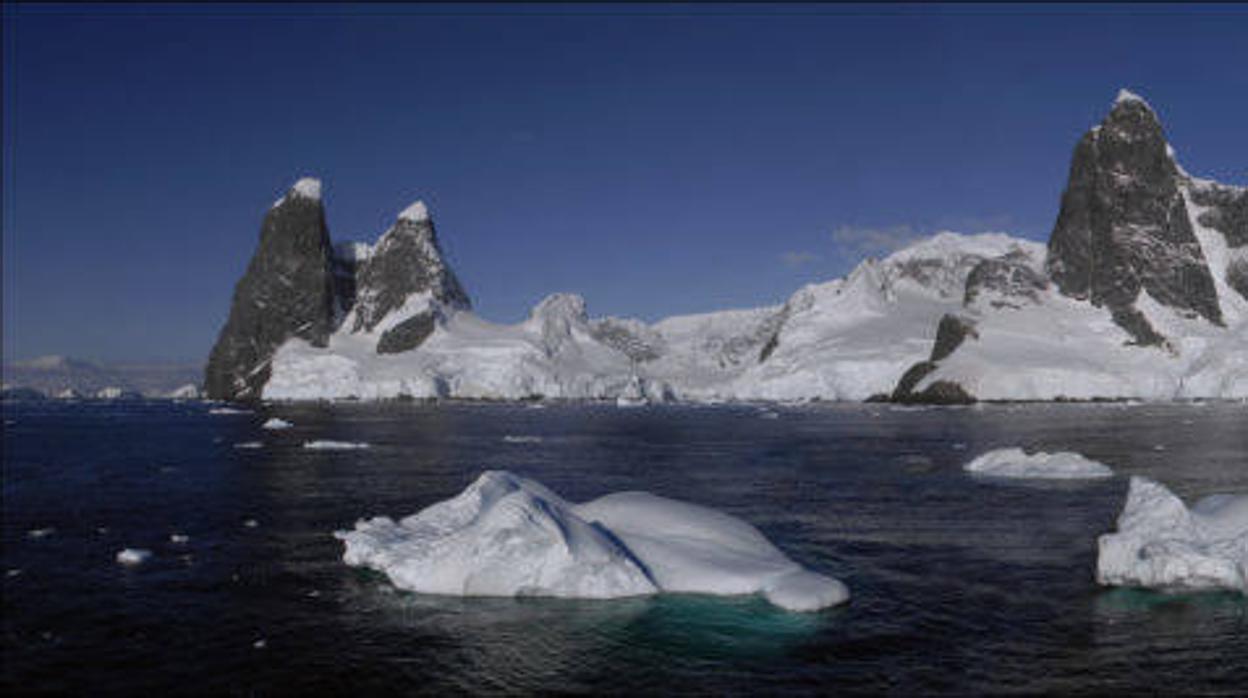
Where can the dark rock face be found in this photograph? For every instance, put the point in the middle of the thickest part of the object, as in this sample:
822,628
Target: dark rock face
632,339
1237,276
408,334
1123,225
1228,211
1006,277
287,291
406,260
950,335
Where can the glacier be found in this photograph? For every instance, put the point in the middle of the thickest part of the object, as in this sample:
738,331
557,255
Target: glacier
1162,544
507,535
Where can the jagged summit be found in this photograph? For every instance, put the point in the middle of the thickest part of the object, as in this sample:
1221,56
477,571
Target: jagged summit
1123,228
1125,95
416,213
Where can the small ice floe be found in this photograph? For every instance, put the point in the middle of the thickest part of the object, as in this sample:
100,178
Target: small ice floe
37,533
228,410
13,572
179,538
260,644
328,445
313,594
959,446
134,556
10,422
625,401
536,406
768,414
1159,447
507,535
520,439
1015,463
249,445
1162,544
102,530
251,523
276,423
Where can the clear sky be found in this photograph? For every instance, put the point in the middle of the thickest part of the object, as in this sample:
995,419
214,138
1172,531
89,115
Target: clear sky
657,160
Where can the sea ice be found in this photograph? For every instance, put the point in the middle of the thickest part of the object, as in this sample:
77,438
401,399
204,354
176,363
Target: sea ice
179,538
228,410
40,532
1015,463
328,445
1162,544
521,439
507,535
134,556
276,423
249,445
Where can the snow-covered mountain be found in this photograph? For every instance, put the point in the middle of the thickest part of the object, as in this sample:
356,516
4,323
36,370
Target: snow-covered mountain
69,378
1148,298
1140,293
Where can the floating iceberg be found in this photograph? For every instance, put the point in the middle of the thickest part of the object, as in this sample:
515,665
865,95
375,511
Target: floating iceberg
133,556
276,423
1162,544
510,536
1015,463
228,410
328,445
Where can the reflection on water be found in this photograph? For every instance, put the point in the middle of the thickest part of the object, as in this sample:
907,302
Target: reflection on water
959,584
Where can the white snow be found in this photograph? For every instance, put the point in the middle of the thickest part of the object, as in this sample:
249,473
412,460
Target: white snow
190,391
228,410
308,188
507,535
134,556
1162,544
1015,463
276,423
1125,95
109,393
416,213
329,445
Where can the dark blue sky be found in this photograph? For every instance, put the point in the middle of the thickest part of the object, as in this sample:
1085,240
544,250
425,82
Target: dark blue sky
656,160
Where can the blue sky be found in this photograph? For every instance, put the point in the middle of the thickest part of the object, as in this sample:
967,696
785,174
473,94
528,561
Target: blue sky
657,160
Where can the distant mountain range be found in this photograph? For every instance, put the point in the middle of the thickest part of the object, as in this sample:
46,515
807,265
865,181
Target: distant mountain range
60,376
1141,292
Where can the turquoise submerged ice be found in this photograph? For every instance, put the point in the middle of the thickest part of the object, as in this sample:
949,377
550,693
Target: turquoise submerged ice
1162,544
507,535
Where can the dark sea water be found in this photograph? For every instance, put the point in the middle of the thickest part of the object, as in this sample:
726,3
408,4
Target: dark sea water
959,585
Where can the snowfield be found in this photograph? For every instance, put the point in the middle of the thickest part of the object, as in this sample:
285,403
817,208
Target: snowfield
506,535
1162,544
1015,463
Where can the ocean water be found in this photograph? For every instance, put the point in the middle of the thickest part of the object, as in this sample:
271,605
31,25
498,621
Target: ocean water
959,585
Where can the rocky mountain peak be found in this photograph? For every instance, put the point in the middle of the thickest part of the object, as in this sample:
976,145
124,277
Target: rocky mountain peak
287,291
1124,227
406,260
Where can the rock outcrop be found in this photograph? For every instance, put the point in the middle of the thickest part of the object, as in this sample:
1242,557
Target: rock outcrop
1124,228
287,291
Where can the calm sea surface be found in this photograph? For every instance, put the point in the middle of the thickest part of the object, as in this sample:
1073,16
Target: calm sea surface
960,585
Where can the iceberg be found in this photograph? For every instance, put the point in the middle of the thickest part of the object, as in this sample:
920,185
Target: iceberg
329,445
1162,544
133,556
276,423
1015,463
506,535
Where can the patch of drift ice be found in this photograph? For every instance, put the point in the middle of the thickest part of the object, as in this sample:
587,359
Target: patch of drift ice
507,535
227,410
1016,463
1162,544
133,556
329,445
276,423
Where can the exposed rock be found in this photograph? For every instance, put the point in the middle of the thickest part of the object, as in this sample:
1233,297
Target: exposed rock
408,334
1123,225
629,337
1227,212
287,291
405,261
950,334
1006,281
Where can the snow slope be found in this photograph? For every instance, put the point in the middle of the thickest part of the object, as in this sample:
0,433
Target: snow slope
1160,543
846,339
1059,347
506,535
